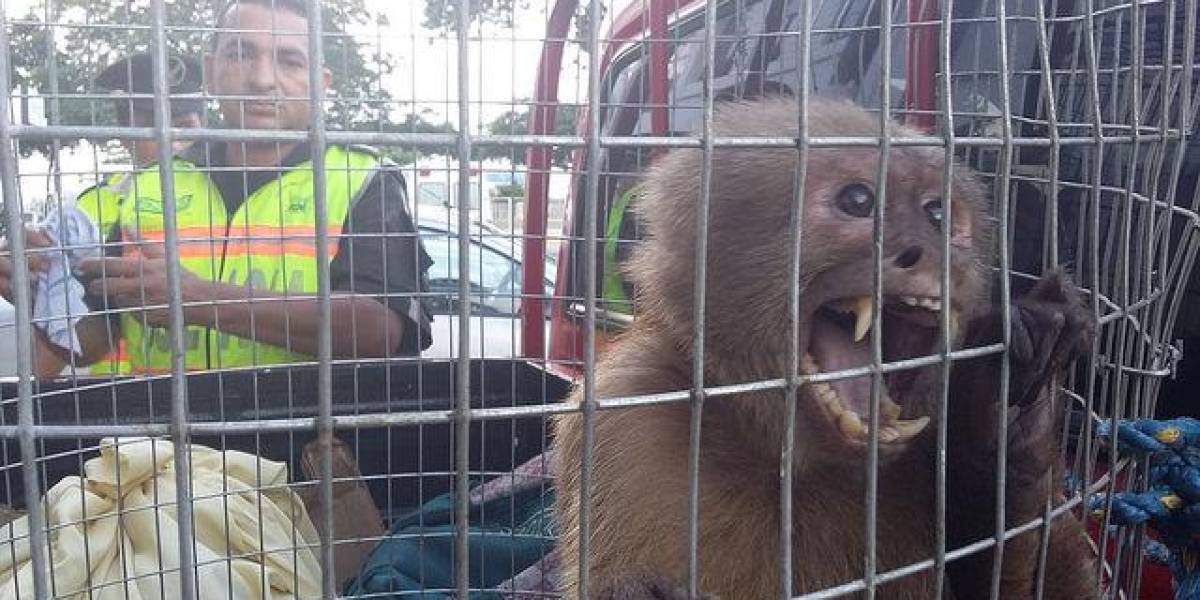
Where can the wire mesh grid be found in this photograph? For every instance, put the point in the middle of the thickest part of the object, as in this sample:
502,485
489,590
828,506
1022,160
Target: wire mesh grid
518,131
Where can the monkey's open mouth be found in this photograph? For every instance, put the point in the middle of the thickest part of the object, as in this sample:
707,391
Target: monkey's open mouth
840,339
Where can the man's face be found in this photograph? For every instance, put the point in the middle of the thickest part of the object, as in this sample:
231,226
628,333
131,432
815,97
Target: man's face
266,67
145,152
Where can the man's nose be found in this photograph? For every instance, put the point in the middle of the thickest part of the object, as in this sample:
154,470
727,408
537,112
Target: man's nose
261,76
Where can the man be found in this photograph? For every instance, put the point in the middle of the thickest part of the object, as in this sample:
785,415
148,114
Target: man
131,78
246,223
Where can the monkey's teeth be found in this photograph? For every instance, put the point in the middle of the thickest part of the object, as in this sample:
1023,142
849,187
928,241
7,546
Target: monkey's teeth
912,427
889,411
851,425
932,304
863,313
808,364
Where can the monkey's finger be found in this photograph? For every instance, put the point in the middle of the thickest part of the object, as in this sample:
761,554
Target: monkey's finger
1076,339
1050,349
1020,341
1052,287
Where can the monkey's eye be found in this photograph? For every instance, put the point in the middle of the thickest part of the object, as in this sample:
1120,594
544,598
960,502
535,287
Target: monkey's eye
935,212
856,200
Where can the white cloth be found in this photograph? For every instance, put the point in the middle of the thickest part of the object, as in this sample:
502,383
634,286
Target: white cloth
58,305
122,542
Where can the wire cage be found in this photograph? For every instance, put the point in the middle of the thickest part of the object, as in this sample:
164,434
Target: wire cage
298,459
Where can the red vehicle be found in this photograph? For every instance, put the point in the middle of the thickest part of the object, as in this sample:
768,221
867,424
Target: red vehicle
652,68
651,72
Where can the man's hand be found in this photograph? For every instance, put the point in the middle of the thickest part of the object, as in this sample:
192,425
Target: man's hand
140,282
286,320
38,261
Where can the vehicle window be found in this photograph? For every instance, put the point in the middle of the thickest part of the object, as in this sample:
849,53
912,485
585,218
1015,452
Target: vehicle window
495,278
432,193
740,25
626,111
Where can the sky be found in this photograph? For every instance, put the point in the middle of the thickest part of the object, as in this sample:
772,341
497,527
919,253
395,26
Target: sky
503,70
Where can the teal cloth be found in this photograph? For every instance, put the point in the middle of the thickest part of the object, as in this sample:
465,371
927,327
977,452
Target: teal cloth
509,532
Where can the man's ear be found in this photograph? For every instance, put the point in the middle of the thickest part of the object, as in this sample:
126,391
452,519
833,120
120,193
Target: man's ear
326,78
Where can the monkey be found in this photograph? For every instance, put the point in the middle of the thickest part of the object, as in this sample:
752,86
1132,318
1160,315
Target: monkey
638,545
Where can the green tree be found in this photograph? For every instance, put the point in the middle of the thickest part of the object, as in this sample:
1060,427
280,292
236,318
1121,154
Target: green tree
516,122
356,100
417,123
443,14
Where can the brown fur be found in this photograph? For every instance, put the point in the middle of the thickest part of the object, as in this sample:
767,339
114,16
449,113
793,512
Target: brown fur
639,482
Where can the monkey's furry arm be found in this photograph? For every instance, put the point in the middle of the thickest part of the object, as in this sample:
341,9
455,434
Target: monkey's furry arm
1049,329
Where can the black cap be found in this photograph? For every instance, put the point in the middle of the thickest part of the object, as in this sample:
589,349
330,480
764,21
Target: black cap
134,74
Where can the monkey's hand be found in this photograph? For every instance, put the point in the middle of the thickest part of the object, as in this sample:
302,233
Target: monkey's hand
646,588
1048,330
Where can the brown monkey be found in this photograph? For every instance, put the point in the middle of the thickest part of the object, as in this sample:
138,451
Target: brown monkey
639,486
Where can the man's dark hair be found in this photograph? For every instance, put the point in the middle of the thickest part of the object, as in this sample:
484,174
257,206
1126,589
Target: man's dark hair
298,7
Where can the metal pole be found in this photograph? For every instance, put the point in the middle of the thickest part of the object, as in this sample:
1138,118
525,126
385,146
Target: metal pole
795,352
947,106
700,276
23,303
591,206
462,411
1002,195
178,339
877,250
324,423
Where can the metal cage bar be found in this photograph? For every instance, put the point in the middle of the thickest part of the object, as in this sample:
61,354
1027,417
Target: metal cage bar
1107,105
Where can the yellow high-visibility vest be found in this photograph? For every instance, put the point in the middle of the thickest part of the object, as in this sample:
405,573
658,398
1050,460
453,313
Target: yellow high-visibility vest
102,204
269,243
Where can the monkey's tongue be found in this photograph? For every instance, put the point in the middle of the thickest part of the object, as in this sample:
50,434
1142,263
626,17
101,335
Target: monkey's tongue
833,349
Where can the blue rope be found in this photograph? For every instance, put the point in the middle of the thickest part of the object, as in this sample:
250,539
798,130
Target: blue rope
1171,505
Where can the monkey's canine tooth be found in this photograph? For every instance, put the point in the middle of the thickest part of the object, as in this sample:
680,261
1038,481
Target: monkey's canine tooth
911,427
888,434
863,313
808,364
890,411
851,425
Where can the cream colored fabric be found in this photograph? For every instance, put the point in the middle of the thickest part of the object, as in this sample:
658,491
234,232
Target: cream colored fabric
250,528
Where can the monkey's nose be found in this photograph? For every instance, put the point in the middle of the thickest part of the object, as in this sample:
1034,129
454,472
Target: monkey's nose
909,258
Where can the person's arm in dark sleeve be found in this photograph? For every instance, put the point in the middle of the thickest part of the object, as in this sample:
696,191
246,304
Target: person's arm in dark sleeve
382,257
365,323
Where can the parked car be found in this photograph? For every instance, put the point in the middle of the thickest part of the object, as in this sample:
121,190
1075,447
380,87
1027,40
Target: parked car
495,288
8,351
